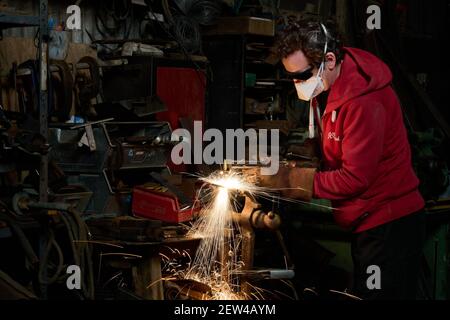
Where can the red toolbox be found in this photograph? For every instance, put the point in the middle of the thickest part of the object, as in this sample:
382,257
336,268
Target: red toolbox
151,204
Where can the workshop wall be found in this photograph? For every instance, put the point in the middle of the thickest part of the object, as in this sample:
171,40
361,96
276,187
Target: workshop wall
19,50
57,12
18,44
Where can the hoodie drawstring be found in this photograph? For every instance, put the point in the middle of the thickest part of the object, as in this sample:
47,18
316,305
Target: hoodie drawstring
314,113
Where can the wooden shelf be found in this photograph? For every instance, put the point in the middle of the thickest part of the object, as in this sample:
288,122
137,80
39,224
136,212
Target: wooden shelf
13,21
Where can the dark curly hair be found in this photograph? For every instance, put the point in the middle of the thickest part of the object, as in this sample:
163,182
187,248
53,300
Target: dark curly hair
308,36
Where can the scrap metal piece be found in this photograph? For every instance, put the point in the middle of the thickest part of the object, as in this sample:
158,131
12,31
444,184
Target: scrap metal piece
88,137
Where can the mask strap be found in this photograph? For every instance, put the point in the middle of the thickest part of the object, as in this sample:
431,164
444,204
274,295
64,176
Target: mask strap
326,46
326,39
321,68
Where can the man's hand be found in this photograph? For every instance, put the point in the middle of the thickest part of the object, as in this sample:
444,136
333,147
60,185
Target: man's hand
292,182
276,181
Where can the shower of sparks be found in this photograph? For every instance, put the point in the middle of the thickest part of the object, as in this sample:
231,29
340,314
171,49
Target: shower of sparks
216,262
216,258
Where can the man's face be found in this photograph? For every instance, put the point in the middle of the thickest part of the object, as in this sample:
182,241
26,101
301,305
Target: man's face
297,62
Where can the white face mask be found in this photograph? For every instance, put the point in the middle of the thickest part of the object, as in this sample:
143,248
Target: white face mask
306,90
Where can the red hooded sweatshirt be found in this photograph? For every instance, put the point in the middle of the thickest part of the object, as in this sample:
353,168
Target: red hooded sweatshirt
368,172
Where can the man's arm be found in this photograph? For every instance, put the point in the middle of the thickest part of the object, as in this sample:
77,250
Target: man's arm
362,147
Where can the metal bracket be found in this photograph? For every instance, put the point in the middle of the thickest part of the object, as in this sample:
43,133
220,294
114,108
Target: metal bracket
88,138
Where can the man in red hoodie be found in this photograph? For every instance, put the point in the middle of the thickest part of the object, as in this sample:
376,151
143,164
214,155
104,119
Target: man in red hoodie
366,162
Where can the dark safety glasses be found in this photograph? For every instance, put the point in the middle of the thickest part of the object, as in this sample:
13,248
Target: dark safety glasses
300,75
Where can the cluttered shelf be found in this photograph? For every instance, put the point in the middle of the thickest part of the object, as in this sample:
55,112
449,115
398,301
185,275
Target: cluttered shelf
8,20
